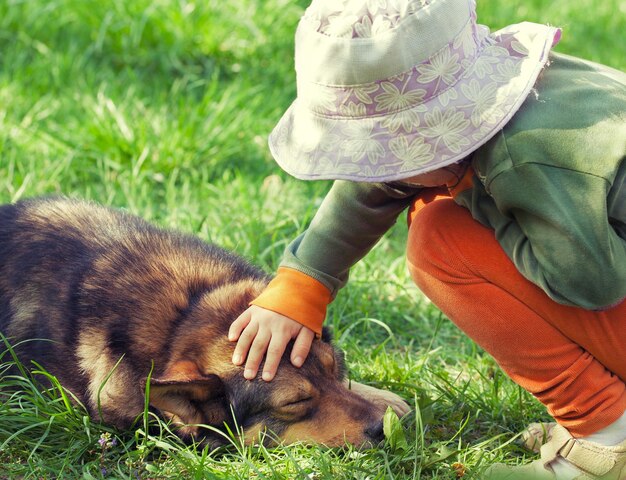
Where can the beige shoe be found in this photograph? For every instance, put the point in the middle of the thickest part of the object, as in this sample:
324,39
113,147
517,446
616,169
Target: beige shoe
536,435
592,460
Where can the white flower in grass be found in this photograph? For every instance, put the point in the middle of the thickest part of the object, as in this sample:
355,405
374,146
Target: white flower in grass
507,70
360,142
394,99
408,120
448,127
412,152
484,101
442,67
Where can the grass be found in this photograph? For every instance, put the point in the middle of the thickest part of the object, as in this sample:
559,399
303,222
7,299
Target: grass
163,107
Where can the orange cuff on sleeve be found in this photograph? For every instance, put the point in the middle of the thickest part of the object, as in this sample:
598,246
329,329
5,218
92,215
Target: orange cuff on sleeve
297,296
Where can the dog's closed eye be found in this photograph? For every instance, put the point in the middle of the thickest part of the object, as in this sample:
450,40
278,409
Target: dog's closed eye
298,403
296,409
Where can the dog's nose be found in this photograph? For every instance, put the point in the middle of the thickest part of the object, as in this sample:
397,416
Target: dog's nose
375,431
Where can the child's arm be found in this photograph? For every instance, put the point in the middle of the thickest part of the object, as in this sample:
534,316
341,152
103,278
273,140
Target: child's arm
350,221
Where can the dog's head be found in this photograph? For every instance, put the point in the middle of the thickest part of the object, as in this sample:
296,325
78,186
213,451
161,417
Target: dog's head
311,404
201,386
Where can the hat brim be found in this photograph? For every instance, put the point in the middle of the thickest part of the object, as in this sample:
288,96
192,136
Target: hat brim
437,132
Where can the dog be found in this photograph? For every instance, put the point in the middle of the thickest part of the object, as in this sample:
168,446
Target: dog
121,311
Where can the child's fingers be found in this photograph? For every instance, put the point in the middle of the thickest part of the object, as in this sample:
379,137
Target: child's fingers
302,346
243,344
256,353
275,351
239,324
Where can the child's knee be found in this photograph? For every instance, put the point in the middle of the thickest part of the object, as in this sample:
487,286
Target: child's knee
440,244
428,232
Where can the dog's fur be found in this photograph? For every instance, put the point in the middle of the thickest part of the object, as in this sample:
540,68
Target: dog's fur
109,299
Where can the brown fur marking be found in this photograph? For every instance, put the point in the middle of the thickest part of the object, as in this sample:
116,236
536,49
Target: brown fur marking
103,285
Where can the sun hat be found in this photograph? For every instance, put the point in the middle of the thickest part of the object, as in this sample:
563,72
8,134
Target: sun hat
389,89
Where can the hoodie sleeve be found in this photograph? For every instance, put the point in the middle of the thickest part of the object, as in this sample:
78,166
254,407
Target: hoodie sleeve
351,220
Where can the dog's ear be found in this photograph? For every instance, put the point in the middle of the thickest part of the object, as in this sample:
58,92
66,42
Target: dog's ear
187,396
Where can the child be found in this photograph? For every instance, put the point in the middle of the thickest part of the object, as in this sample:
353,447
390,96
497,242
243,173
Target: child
527,254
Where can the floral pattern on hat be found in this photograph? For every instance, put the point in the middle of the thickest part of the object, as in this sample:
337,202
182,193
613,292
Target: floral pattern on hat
425,81
366,19
413,122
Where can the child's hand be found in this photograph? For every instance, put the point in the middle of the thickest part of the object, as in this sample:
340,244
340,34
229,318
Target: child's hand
259,331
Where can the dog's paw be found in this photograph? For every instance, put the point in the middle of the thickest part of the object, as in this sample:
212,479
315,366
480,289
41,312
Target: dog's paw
381,398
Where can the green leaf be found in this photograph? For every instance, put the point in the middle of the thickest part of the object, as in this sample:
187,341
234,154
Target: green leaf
394,433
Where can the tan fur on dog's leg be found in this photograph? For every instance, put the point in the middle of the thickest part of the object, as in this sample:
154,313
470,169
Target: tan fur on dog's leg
383,398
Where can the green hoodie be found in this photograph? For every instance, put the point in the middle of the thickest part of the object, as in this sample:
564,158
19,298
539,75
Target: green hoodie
550,184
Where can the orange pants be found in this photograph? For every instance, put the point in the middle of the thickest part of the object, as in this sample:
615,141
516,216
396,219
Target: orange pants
572,360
